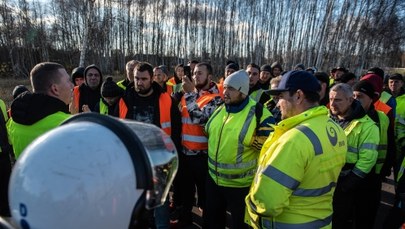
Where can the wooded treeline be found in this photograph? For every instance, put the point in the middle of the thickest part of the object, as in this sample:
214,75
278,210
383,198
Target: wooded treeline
323,33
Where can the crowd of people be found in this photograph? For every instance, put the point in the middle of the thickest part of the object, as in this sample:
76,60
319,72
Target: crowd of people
296,149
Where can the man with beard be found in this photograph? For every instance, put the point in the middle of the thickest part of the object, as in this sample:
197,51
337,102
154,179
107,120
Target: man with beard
144,101
363,138
87,95
33,114
236,132
229,69
299,163
200,100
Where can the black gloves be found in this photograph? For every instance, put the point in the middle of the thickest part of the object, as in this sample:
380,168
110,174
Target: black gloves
350,182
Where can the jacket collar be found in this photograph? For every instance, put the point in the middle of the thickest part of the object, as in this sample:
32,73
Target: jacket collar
235,108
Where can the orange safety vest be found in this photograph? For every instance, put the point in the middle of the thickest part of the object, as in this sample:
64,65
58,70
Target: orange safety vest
165,102
173,86
76,95
220,86
380,106
193,135
169,85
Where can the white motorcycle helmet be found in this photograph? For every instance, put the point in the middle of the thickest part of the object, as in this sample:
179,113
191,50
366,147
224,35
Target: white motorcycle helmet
93,171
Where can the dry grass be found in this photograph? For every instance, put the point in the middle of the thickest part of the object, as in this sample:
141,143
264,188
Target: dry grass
396,70
7,85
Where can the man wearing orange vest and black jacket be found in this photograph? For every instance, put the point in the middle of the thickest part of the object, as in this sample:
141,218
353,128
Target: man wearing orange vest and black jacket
200,100
145,102
88,94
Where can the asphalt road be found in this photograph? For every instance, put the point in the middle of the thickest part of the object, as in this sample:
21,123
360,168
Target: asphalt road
387,201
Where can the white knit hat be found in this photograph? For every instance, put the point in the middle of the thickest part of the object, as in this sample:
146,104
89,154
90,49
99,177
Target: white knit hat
238,80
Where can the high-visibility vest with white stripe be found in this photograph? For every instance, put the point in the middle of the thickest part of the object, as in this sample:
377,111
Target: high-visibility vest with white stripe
193,136
232,160
299,166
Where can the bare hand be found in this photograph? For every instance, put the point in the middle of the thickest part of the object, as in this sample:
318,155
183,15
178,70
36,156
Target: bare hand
187,84
86,108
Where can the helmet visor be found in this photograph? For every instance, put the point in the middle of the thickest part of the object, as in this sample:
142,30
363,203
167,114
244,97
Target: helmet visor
163,161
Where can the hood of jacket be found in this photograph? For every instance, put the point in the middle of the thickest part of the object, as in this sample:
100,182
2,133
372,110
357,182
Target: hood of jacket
29,108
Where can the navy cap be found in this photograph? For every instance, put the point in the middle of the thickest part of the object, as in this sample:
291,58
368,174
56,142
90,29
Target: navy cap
294,80
396,76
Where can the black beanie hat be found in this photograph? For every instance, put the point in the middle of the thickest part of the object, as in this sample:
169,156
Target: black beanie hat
346,77
19,89
111,89
233,66
366,88
376,70
266,68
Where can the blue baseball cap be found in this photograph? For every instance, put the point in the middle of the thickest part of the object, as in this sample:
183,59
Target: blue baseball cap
294,80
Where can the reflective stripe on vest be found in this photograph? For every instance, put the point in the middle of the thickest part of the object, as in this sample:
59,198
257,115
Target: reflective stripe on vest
293,184
193,136
103,107
239,163
312,137
249,173
243,133
309,225
281,178
358,172
356,150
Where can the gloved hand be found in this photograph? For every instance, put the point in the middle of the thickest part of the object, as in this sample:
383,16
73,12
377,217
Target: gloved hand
385,171
350,182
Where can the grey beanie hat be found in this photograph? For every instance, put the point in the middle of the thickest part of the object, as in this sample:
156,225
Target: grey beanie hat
238,80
